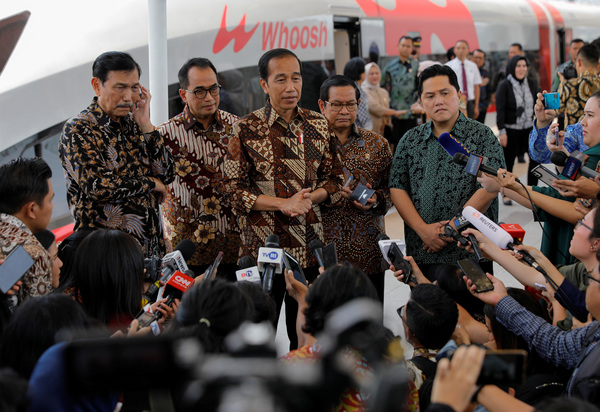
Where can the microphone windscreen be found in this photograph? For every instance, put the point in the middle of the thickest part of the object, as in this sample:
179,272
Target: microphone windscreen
451,145
246,262
382,236
187,248
315,244
272,241
190,273
460,158
559,158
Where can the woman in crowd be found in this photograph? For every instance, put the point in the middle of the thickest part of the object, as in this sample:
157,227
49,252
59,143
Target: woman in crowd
515,99
66,253
379,101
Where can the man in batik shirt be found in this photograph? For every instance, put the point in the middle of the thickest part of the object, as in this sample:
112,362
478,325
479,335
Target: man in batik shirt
196,208
115,162
366,157
399,78
282,166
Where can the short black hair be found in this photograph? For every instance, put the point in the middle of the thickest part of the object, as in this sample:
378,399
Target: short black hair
334,287
337,81
480,51
200,62
406,37
23,180
263,62
576,41
450,53
45,237
435,71
111,61
589,55
354,68
517,45
431,315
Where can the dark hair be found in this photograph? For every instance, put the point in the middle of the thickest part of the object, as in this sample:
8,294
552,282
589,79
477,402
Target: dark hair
66,253
109,273
450,53
33,327
405,37
480,51
45,237
354,68
23,180
563,403
113,61
589,55
431,315
576,41
263,62
337,81
265,308
517,45
200,62
596,95
336,286
450,278
435,71
210,311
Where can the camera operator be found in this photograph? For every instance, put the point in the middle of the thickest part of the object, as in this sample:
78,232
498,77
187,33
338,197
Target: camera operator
568,68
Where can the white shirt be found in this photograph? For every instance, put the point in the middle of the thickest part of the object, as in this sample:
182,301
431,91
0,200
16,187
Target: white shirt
472,73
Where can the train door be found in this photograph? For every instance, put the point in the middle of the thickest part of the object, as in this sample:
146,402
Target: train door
354,37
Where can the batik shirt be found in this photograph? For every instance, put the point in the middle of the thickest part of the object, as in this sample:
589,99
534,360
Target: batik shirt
267,156
365,156
108,168
574,94
38,279
400,80
196,207
436,185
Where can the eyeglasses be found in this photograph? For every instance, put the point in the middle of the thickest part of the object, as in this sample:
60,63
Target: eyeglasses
401,312
580,223
200,92
587,278
336,107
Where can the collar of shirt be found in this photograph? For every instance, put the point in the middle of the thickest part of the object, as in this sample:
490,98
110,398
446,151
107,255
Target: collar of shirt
14,221
271,115
189,120
105,120
428,132
587,73
353,135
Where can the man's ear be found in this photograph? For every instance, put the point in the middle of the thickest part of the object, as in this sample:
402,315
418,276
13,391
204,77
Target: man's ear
29,210
96,85
322,106
263,84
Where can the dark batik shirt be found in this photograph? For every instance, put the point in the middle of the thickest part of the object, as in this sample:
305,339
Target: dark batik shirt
108,168
400,80
270,157
575,93
367,157
196,207
38,279
436,185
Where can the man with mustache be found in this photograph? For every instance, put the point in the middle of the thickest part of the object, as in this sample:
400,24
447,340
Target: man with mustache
116,164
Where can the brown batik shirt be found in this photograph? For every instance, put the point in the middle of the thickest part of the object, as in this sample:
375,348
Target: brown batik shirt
366,156
267,156
575,93
108,168
196,207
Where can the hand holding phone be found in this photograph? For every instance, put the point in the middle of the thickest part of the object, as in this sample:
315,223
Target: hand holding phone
551,101
15,265
476,274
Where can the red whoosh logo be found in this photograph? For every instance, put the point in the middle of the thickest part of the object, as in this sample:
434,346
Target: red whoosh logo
274,34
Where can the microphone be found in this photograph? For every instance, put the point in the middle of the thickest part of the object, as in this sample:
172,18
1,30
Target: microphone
177,285
474,164
392,254
514,230
248,270
317,248
573,162
451,145
497,235
269,261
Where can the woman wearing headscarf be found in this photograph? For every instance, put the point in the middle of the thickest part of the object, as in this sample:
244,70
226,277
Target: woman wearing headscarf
379,100
515,98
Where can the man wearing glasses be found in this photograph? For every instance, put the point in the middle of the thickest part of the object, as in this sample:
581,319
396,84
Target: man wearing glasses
197,137
366,159
281,165
116,164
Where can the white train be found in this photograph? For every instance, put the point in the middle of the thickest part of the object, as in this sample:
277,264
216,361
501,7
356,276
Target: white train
47,48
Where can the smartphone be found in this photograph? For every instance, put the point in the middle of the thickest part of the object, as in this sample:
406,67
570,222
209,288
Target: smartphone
557,139
211,272
544,174
551,101
397,260
330,256
473,271
292,264
15,265
503,367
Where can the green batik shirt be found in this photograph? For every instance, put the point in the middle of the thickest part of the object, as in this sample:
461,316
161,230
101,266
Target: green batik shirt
401,83
436,185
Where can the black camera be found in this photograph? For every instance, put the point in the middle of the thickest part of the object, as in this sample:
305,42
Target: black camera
569,72
153,267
